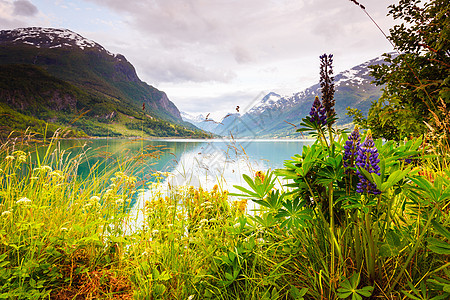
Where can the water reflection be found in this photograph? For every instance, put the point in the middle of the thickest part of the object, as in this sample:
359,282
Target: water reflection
191,162
198,163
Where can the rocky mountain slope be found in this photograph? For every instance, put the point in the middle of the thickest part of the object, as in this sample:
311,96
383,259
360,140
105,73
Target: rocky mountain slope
58,76
274,115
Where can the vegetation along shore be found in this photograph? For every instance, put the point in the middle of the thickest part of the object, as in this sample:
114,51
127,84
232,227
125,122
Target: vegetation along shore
362,213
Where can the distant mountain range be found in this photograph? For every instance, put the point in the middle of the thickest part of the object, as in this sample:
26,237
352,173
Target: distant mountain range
275,115
58,77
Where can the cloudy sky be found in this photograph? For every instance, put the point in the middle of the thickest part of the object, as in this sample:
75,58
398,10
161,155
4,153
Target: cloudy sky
211,55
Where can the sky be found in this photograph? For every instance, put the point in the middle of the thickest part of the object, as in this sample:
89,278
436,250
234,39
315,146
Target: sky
211,55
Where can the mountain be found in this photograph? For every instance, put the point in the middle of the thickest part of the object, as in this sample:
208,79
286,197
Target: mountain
59,77
200,121
275,115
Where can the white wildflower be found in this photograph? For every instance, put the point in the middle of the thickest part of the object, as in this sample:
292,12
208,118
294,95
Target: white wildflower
94,198
6,213
63,229
57,174
46,168
23,200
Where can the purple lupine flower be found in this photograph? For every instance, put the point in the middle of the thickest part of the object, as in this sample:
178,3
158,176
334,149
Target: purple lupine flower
351,148
367,158
327,85
317,114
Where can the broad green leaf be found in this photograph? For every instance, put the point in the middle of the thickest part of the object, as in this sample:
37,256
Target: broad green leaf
393,239
438,246
296,294
441,229
342,294
388,251
394,178
244,190
249,182
228,276
366,291
376,179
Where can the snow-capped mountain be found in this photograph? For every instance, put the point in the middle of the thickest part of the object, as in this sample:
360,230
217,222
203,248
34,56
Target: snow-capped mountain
200,121
54,74
190,118
274,115
48,38
358,77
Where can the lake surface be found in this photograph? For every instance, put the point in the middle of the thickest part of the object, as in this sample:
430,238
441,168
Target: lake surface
192,162
202,163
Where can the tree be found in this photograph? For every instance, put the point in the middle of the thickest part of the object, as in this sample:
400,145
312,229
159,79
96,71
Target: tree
417,81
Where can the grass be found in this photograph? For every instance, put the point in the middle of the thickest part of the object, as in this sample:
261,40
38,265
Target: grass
67,237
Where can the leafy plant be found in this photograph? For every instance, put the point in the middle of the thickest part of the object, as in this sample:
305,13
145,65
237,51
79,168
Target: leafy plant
349,288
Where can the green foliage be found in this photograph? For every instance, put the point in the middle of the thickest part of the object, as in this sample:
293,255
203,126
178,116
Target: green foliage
417,81
365,209
91,90
388,119
349,288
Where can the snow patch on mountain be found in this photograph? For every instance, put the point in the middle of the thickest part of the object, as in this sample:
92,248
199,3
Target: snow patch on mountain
190,118
49,38
357,75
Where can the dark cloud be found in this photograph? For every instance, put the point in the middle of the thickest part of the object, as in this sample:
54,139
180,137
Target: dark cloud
24,8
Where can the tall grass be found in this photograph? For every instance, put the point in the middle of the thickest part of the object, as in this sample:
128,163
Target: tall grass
63,236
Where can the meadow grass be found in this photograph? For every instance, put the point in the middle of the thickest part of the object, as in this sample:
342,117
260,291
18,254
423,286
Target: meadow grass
67,237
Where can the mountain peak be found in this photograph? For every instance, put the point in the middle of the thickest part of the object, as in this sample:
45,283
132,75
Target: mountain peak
270,97
48,38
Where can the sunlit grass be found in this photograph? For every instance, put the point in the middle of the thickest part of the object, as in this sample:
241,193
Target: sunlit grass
63,236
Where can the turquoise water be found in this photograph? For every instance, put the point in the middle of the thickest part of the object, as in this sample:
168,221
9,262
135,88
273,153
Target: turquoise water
202,163
193,162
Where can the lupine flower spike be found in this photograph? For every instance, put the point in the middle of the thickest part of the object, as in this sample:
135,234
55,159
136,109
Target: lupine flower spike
327,85
317,114
367,158
351,149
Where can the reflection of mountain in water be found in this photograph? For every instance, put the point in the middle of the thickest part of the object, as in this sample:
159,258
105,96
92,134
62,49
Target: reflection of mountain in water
148,156
188,160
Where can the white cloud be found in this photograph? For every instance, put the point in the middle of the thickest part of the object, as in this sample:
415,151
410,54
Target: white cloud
202,52
215,34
